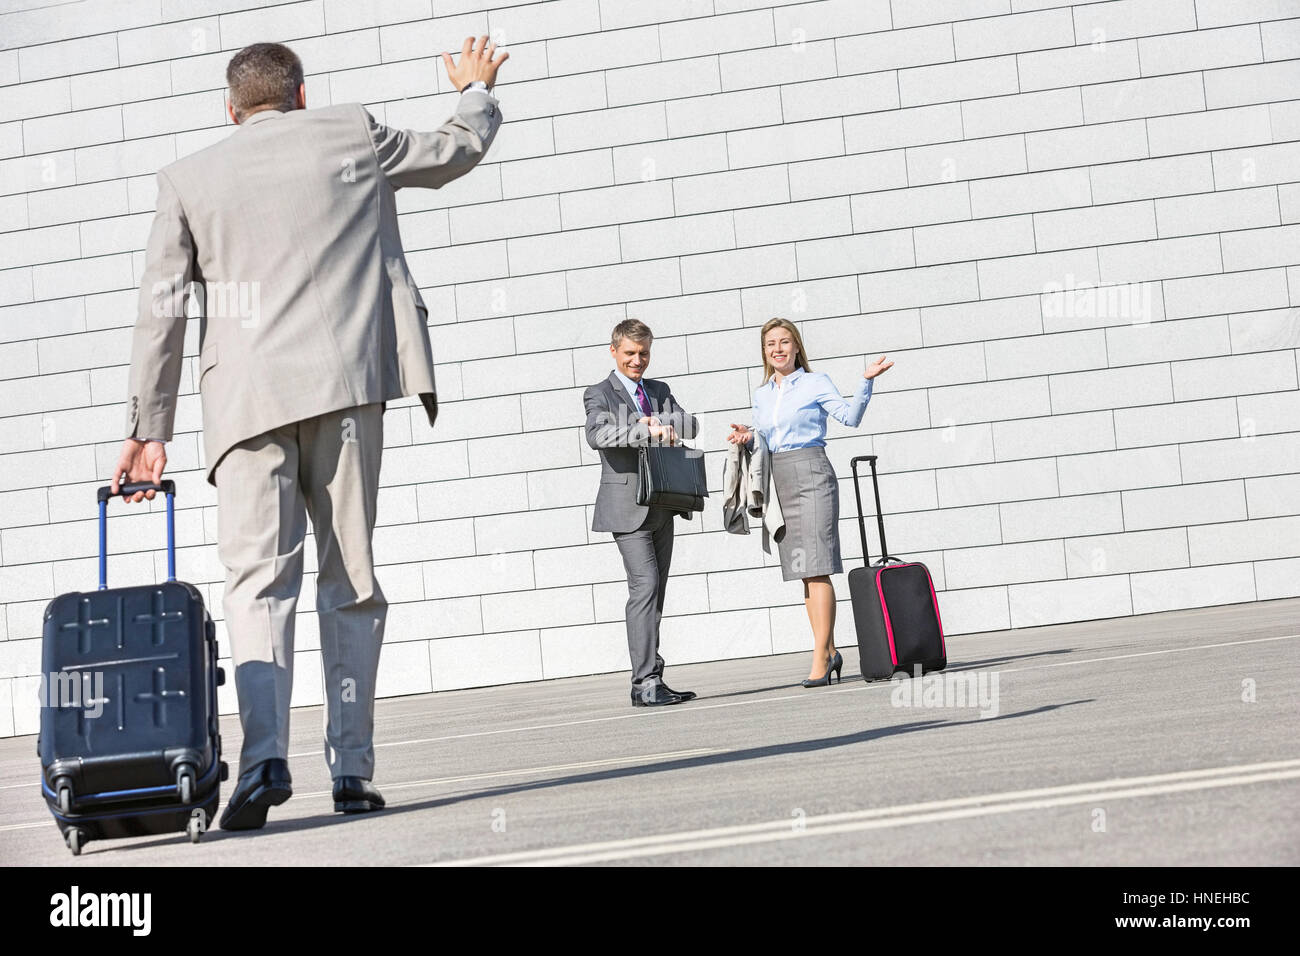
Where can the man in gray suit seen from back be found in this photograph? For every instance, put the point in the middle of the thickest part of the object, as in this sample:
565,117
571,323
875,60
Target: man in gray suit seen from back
311,323
625,412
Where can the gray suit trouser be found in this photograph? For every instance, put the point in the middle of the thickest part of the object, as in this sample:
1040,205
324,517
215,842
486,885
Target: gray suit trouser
327,468
647,553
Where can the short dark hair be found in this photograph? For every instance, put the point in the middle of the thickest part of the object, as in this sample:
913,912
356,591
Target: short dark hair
264,75
633,329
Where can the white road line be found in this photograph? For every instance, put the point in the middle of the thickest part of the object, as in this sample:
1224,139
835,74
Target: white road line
1124,657
884,817
933,817
857,687
639,715
584,765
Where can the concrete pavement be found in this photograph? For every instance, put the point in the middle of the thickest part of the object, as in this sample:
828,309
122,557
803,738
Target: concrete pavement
1124,742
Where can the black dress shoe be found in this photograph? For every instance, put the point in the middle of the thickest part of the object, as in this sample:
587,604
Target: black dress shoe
654,695
356,795
263,786
683,694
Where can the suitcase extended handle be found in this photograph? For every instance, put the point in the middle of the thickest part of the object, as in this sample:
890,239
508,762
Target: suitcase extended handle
880,520
167,487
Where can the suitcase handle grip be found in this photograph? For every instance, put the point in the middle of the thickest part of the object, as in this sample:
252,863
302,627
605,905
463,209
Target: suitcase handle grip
167,487
880,520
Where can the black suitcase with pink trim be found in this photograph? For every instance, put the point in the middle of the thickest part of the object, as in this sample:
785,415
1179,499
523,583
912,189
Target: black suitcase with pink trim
895,608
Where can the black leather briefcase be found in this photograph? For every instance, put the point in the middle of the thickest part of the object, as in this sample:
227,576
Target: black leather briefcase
671,476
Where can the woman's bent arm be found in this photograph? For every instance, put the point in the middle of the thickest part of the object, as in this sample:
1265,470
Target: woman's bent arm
847,413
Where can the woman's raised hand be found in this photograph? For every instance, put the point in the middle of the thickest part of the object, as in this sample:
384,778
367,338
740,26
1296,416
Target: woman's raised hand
876,367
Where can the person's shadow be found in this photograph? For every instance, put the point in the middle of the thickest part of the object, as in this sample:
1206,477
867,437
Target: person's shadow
616,773
971,665
959,666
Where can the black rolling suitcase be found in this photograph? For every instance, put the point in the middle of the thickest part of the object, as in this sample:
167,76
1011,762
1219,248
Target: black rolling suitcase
128,738
894,605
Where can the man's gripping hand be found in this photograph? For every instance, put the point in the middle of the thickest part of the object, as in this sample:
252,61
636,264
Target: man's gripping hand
139,461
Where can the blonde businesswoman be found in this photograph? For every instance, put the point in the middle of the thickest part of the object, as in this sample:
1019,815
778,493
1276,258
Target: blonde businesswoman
790,410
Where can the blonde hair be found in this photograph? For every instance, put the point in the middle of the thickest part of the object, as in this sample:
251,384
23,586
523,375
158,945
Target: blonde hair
800,355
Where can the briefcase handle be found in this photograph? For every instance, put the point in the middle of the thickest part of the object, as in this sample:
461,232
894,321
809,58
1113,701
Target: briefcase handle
167,487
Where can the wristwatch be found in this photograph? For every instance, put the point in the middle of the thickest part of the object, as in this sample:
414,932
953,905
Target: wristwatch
476,85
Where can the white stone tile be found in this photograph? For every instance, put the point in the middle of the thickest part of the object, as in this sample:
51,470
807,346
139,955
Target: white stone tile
1192,587
1080,599
486,659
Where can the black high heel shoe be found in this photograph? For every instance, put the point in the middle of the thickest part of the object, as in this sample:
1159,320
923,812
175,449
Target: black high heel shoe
837,665
825,680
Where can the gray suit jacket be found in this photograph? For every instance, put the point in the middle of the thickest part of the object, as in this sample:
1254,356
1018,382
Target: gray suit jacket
288,231
613,430
748,491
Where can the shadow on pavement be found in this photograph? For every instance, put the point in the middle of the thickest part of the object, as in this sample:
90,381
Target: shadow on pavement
615,773
746,693
968,665
959,666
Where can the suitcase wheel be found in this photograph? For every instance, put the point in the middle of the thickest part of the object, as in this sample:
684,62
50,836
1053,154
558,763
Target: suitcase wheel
65,797
185,783
221,676
75,838
225,771
196,826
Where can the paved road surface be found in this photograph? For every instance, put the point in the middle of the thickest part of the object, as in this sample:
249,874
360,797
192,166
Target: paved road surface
1113,742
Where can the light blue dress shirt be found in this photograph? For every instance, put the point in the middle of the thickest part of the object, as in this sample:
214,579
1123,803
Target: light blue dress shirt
631,390
793,415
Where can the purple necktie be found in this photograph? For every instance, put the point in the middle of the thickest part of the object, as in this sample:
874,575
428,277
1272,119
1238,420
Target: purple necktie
642,401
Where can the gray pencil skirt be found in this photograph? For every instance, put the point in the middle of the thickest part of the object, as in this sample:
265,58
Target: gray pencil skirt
810,504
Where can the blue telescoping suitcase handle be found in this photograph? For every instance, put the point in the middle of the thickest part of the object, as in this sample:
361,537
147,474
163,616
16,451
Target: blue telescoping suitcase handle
167,487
